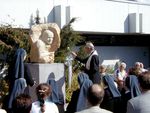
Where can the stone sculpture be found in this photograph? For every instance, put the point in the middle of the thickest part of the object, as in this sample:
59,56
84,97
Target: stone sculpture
44,40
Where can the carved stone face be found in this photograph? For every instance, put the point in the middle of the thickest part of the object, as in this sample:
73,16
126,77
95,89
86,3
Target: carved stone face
44,40
47,37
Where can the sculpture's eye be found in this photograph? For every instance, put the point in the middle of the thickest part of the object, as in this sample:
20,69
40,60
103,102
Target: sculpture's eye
49,39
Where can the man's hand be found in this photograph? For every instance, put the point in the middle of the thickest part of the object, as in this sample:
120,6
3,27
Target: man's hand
74,54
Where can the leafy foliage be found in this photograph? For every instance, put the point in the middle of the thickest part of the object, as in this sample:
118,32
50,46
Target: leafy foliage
11,39
3,89
69,39
74,86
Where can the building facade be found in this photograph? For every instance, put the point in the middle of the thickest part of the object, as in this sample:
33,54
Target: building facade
120,27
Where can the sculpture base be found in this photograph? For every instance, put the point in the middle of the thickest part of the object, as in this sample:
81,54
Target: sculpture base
41,73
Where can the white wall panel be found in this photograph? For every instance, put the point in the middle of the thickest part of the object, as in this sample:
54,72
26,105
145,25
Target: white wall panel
93,15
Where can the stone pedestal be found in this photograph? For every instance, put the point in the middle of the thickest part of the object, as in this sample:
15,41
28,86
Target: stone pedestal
42,72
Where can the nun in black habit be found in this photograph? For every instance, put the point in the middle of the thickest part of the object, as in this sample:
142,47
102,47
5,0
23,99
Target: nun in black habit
18,69
55,96
79,97
112,97
132,90
18,74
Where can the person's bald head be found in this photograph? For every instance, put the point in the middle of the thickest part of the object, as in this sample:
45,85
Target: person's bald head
95,94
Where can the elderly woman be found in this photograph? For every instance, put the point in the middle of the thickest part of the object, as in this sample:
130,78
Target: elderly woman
120,75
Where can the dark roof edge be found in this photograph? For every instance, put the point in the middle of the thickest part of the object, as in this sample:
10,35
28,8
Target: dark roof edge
109,33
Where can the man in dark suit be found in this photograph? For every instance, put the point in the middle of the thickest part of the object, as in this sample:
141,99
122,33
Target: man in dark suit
91,62
141,103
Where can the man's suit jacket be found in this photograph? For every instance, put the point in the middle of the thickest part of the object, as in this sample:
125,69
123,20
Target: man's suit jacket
139,104
94,109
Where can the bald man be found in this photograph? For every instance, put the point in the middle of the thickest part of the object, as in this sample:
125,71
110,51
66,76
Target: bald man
91,62
95,97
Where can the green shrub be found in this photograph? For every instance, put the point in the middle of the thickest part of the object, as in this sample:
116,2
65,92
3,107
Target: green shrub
74,86
3,89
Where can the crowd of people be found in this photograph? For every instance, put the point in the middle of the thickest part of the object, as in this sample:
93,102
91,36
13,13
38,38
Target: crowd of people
99,92
119,87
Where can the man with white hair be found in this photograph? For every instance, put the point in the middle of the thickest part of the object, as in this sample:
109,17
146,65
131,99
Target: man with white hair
91,62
